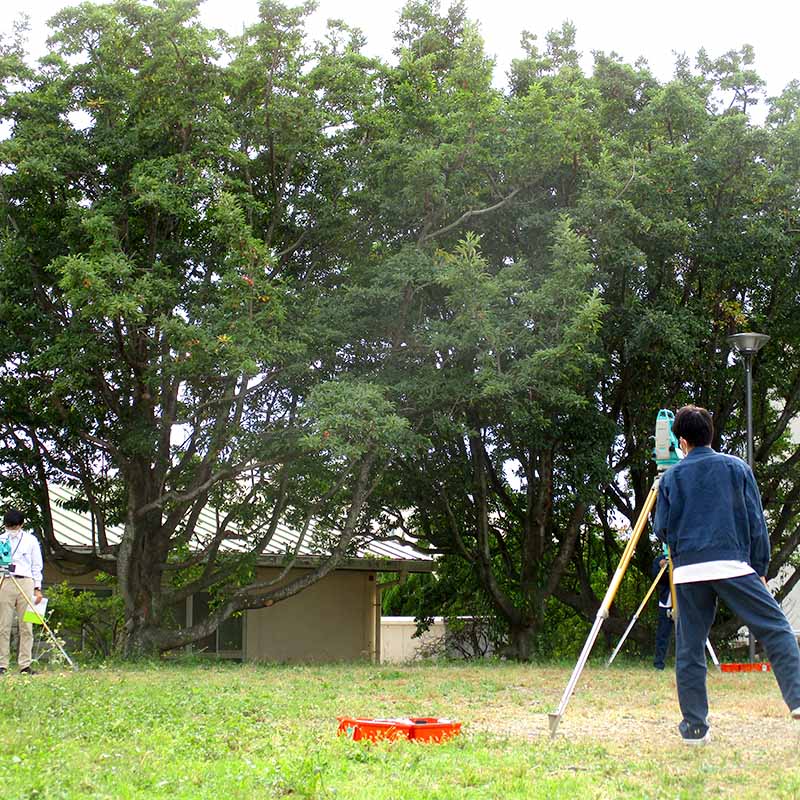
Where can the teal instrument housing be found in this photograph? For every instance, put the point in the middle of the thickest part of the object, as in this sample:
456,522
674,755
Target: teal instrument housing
666,453
5,554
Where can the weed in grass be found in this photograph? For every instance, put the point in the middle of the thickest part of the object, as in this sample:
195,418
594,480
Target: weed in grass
389,675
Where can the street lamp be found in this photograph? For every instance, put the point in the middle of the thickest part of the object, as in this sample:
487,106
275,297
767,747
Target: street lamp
747,345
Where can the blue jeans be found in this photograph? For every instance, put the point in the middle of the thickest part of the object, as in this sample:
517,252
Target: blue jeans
749,600
663,635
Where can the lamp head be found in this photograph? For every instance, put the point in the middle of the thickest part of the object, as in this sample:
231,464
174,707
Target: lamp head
748,343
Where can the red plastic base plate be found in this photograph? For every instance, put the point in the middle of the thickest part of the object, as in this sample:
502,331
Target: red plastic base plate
420,729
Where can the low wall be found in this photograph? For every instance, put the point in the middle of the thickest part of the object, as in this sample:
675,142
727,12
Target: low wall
398,644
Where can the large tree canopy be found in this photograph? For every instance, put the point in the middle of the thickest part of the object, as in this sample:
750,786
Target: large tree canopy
298,284
175,208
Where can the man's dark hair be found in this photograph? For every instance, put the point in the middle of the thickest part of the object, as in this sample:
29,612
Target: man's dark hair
695,425
13,518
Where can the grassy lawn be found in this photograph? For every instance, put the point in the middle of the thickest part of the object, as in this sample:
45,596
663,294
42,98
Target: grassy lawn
229,731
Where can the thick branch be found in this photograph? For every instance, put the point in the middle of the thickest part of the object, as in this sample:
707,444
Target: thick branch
468,215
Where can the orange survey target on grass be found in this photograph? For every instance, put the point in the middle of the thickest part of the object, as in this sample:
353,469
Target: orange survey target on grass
420,729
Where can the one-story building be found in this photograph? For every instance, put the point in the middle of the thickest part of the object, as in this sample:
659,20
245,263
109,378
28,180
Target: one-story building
336,619
791,603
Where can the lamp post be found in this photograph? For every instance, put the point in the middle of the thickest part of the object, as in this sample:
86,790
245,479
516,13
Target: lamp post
747,345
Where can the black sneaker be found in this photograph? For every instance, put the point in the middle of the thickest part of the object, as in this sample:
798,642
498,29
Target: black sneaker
694,734
3,670
27,671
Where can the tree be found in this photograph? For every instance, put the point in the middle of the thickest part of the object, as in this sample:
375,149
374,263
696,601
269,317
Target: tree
293,282
494,371
167,193
689,220
687,209
455,339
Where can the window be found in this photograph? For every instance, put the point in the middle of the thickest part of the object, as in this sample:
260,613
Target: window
227,641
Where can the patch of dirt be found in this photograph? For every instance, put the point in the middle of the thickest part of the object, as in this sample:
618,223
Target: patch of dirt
639,709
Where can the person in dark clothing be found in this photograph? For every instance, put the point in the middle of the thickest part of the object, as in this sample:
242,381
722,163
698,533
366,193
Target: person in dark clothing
665,624
709,512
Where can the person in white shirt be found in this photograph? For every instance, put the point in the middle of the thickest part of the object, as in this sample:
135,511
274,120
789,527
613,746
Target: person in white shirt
26,567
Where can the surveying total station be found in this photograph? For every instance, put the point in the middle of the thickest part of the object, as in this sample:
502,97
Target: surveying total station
6,573
666,453
5,554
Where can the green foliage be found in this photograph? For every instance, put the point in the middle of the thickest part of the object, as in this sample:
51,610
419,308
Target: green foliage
88,621
382,293
351,418
563,633
409,597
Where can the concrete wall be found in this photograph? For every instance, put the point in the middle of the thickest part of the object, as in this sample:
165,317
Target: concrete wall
398,644
467,638
791,607
333,620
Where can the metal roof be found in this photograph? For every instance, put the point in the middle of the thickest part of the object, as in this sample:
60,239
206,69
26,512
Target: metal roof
76,529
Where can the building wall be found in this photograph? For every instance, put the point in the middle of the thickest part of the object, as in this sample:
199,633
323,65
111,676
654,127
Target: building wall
791,603
333,620
53,575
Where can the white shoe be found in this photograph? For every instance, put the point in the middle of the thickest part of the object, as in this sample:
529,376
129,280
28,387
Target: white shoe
796,713
705,739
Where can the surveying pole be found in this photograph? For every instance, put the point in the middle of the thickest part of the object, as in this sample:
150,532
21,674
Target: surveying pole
665,455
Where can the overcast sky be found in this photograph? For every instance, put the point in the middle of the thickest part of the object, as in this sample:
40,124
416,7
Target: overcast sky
632,29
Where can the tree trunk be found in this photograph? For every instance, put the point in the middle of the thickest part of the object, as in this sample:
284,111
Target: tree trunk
140,640
139,562
521,641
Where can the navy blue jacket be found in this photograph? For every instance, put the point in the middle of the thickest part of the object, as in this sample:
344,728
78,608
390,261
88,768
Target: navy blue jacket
709,509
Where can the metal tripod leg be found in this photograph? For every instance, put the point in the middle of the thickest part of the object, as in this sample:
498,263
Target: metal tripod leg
636,615
32,607
602,612
713,654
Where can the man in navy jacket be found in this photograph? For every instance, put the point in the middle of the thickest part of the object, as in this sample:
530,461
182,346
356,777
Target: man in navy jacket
709,512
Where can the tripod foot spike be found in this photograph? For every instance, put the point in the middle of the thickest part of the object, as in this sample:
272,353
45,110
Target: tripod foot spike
554,719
